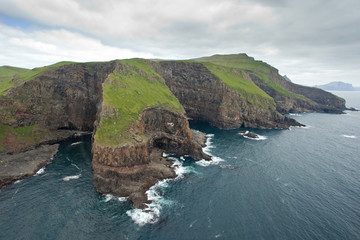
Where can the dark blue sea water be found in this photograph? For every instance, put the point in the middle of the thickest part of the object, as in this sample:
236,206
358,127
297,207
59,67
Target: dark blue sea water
302,183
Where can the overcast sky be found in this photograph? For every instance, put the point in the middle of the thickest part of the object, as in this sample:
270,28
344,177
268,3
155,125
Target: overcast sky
311,41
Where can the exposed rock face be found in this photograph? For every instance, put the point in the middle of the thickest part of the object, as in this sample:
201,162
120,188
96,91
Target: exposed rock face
205,97
129,170
25,164
63,98
318,100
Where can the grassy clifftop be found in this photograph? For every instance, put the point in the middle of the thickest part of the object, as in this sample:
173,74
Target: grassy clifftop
244,65
12,76
127,92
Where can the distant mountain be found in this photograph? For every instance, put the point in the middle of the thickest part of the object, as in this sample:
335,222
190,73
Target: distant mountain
338,86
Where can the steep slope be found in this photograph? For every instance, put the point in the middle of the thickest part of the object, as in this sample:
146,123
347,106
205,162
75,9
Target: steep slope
289,97
139,119
222,97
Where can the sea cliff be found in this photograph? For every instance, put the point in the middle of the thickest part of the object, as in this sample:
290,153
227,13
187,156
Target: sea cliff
138,109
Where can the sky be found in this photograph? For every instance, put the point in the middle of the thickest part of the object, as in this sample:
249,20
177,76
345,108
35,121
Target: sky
310,41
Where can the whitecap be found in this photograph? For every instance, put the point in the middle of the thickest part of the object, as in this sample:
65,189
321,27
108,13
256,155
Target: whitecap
214,160
295,114
17,181
151,213
40,171
109,197
142,217
76,166
181,170
349,136
75,143
68,178
192,224
122,199
258,138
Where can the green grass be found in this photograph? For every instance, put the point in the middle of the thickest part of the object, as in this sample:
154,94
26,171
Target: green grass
129,93
23,135
243,62
238,61
13,77
236,80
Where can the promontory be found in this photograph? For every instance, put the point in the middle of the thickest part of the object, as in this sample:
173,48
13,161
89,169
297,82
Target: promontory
137,109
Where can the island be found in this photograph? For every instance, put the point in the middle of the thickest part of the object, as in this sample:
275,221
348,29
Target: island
138,109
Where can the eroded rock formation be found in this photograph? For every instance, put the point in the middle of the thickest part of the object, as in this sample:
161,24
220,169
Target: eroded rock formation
129,170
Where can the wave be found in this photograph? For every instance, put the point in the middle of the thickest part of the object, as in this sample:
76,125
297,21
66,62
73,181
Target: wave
17,181
76,143
68,178
295,114
349,136
109,197
214,159
76,166
151,214
40,171
259,137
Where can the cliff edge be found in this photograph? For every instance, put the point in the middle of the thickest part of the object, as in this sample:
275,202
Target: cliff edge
138,109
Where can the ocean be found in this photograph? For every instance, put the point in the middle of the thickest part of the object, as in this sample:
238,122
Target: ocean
302,183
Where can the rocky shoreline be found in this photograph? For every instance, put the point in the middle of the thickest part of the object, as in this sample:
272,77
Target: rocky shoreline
20,163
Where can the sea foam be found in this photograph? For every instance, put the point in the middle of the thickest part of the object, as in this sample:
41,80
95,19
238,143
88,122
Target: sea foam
75,143
214,159
40,171
151,214
68,178
109,197
259,137
349,136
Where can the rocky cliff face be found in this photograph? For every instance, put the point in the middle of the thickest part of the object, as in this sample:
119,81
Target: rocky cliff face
300,98
62,98
129,170
205,97
133,108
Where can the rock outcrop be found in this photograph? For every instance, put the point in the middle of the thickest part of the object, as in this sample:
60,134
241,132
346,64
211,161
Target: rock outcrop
15,167
129,170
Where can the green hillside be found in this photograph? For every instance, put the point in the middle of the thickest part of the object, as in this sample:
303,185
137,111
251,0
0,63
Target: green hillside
128,93
242,63
13,77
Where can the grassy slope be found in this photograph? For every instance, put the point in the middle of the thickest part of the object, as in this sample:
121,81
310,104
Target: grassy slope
242,62
129,93
13,77
22,135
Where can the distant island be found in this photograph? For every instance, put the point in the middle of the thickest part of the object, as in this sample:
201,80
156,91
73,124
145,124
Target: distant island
338,86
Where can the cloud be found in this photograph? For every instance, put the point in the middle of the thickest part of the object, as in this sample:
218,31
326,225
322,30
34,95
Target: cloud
38,48
306,39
